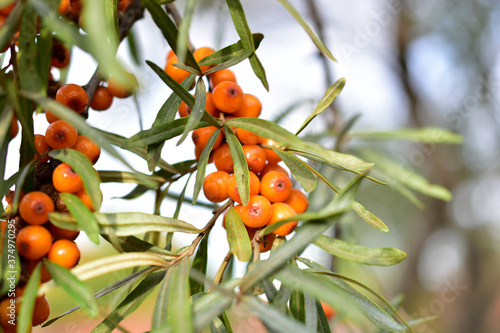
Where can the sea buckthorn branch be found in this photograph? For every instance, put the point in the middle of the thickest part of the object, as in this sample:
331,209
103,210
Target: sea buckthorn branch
222,268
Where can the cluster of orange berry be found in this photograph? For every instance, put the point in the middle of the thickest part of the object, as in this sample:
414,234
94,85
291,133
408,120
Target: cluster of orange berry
272,198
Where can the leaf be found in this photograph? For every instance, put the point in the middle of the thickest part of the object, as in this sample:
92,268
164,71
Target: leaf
133,47
126,224
84,218
231,52
216,326
319,44
237,236
297,306
241,172
83,167
330,96
384,256
199,264
305,176
236,59
258,69
134,244
202,164
28,75
29,299
323,325
407,177
130,303
311,313
75,288
11,25
107,176
430,135
183,33
240,23
369,217
197,111
168,30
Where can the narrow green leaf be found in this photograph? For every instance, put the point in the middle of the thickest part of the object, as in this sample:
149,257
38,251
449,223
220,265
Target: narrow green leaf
28,74
258,69
130,303
297,306
183,33
237,236
127,224
198,109
323,325
11,24
282,299
240,165
83,167
230,52
199,264
75,288
29,299
311,313
240,23
384,256
108,176
84,218
369,217
134,244
330,96
225,320
230,62
134,50
305,176
217,326
179,305
202,164
319,44
430,135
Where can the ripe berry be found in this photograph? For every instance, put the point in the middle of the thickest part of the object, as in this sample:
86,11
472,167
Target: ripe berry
61,134
84,197
257,213
232,186
221,76
33,242
215,186
177,74
222,158
298,201
73,96
251,107
102,99
88,148
273,167
247,137
202,53
60,53
50,117
44,273
41,311
35,207
255,156
60,233
66,180
228,97
41,147
276,186
201,136
65,253
282,211
122,89
14,127
272,157
266,243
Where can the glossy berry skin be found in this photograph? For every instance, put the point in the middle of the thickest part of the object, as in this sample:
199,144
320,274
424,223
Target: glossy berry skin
255,157
232,186
175,73
200,54
220,76
41,312
31,265
228,96
60,233
88,148
251,107
222,158
35,207
201,136
122,89
73,96
33,242
60,54
65,253
273,167
257,213
85,198
266,243
271,156
215,186
247,137
297,200
282,211
275,186
66,180
102,99
61,134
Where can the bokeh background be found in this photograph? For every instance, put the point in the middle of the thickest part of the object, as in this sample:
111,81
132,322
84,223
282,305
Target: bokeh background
407,64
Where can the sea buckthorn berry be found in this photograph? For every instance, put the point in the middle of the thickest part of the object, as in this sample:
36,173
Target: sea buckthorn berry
124,4
201,136
14,127
60,54
177,74
63,7
273,167
280,212
66,180
276,186
88,148
61,134
248,138
35,207
232,186
73,96
50,117
60,233
184,110
31,265
328,310
102,99
255,156
272,157
227,97
202,53
85,198
221,76
65,253
251,107
6,309
257,213
266,243
41,147
41,311
170,54
222,158
122,89
215,186
199,150
33,242
297,200
5,11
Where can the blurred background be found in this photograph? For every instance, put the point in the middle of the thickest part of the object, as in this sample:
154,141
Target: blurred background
407,64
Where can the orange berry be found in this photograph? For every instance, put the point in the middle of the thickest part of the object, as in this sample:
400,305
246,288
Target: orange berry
199,150
88,148
124,4
30,266
60,233
273,167
247,137
280,212
8,306
14,127
65,253
272,157
222,158
255,156
73,96
61,134
328,310
5,11
184,110
215,186
60,54
102,99
170,54
35,207
33,242
232,186
276,186
177,74
220,76
122,89
201,136
266,243
228,96
202,53
251,107
41,146
63,7
298,201
50,117
84,197
66,180
257,213
41,311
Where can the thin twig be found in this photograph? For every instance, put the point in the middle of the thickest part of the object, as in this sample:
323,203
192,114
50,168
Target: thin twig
222,268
